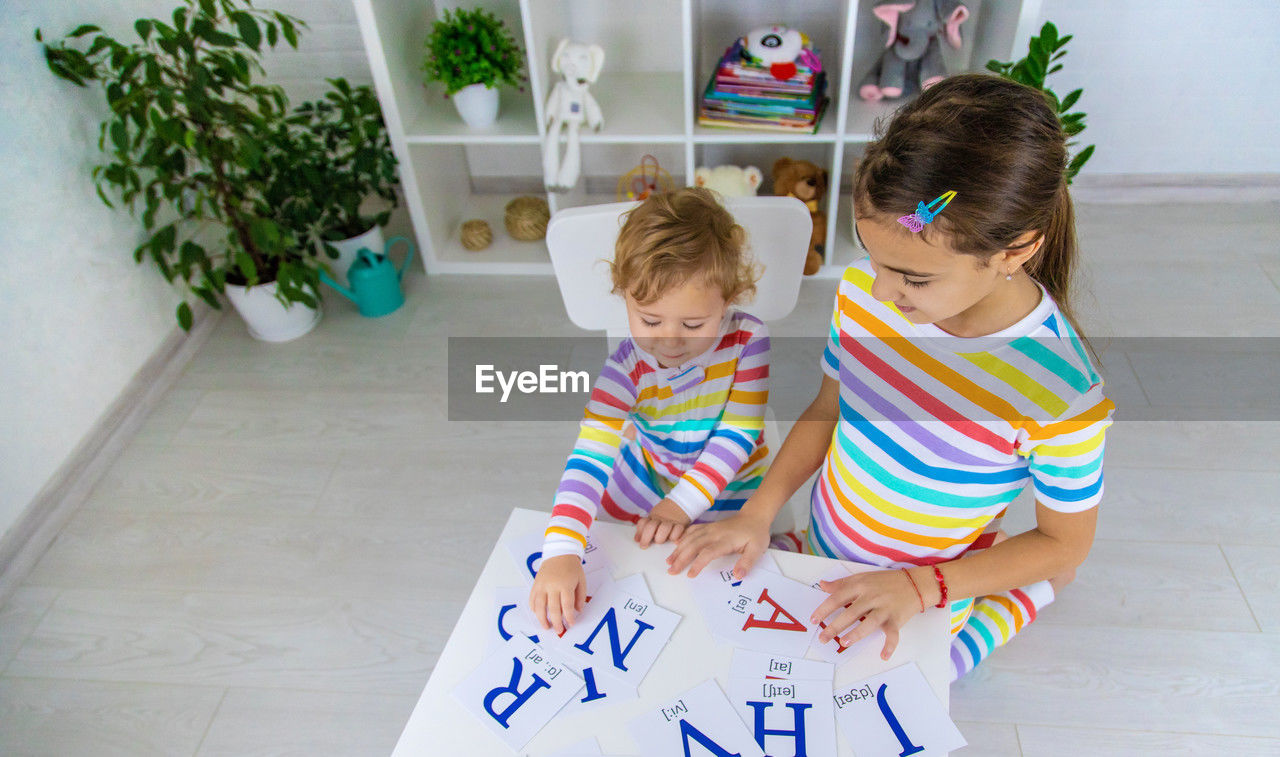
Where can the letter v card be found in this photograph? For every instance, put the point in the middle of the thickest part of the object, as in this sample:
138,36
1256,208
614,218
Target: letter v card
517,691
699,721
619,635
787,717
769,613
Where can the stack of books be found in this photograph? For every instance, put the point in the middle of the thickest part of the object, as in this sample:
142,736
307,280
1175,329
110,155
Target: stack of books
743,93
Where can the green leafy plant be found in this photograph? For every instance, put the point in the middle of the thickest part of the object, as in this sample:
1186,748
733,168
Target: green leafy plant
185,144
1033,70
468,47
341,155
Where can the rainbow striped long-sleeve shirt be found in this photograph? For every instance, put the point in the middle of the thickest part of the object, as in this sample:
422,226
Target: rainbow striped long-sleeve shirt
938,434
699,433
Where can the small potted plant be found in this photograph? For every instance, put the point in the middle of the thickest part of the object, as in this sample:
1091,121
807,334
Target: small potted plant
471,52
340,157
184,146
1033,70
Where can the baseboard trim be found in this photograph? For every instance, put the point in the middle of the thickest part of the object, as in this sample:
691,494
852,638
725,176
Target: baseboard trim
1153,189
43,519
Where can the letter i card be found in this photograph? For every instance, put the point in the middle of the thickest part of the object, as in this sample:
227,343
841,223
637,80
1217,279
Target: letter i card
895,712
787,717
699,721
517,691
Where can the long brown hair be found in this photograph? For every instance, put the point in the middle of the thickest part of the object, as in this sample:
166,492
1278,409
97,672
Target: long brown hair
999,145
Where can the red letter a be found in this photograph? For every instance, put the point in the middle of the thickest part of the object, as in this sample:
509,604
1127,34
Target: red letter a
772,622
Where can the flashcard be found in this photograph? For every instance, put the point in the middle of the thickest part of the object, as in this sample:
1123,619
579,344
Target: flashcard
517,691
599,689
748,663
636,586
714,587
511,617
588,747
769,613
700,719
895,712
835,651
598,582
619,635
527,552
787,717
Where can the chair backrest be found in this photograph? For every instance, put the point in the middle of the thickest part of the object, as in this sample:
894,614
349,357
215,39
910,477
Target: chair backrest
581,242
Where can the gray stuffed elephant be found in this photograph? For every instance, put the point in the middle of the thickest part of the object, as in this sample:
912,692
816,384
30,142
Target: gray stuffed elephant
913,55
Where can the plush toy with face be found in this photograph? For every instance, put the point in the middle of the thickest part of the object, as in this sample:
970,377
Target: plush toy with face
912,57
729,181
806,182
569,106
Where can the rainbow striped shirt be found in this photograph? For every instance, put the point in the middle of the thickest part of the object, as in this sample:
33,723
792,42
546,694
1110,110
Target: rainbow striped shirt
699,431
938,434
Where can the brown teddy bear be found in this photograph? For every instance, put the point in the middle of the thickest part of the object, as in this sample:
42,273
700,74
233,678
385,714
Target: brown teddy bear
808,183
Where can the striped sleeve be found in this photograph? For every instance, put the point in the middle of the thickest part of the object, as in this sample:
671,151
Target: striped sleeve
591,462
737,433
830,355
1065,457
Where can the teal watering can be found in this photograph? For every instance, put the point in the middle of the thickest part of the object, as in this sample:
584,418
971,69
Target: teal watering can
375,282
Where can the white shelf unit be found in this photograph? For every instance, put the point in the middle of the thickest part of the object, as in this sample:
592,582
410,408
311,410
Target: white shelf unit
658,57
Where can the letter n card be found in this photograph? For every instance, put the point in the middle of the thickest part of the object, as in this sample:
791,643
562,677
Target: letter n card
895,712
698,722
517,691
619,635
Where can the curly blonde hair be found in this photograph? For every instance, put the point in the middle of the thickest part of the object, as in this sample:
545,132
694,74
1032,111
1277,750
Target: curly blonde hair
677,236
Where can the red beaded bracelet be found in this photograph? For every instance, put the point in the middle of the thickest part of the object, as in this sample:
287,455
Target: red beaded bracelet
917,588
942,586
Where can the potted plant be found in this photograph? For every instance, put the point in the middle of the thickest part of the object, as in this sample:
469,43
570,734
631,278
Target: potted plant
1033,70
341,158
184,145
471,52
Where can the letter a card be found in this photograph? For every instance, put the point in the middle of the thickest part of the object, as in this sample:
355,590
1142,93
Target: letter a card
619,635
699,721
769,613
787,717
835,651
517,691
895,712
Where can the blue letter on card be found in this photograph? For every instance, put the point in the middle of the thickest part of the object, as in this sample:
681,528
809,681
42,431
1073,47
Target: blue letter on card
615,644
687,730
797,710
513,689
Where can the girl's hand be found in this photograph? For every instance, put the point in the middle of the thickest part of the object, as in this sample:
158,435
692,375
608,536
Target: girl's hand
704,542
666,522
559,592
883,600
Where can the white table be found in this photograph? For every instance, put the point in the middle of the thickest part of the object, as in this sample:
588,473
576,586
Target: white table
440,726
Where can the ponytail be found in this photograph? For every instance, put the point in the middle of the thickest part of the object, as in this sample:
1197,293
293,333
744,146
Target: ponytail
1054,266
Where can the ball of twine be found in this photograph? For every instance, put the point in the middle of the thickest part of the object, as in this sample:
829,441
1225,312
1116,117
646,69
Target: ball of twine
527,218
476,235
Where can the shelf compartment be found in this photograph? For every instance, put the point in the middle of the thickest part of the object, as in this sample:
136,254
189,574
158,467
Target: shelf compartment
603,164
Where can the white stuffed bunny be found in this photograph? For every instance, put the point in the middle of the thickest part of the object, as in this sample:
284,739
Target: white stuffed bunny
569,105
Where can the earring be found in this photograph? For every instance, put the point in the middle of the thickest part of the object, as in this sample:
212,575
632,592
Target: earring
1008,277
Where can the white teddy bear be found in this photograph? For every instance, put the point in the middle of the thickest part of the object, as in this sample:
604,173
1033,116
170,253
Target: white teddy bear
569,106
729,181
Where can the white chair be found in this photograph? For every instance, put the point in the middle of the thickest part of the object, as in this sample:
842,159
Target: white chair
581,242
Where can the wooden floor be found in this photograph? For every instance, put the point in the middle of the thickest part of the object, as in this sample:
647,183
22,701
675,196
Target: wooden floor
275,562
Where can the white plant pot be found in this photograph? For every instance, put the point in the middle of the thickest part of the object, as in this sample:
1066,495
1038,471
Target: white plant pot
477,104
347,249
267,319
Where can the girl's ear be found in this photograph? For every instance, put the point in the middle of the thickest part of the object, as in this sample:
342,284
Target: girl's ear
1023,249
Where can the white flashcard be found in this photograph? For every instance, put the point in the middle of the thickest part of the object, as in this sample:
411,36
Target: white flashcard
636,586
511,617
599,689
527,552
699,721
786,717
588,747
517,691
714,587
750,664
620,636
835,651
598,582
769,613
895,712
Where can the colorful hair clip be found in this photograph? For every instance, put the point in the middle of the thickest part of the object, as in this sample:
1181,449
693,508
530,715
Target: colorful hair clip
916,221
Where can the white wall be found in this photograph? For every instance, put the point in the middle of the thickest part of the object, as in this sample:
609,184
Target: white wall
1174,86
78,317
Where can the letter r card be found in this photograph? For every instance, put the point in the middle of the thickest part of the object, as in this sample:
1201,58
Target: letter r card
517,691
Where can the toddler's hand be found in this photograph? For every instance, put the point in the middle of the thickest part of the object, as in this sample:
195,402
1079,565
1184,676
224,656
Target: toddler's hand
559,591
665,523
704,542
